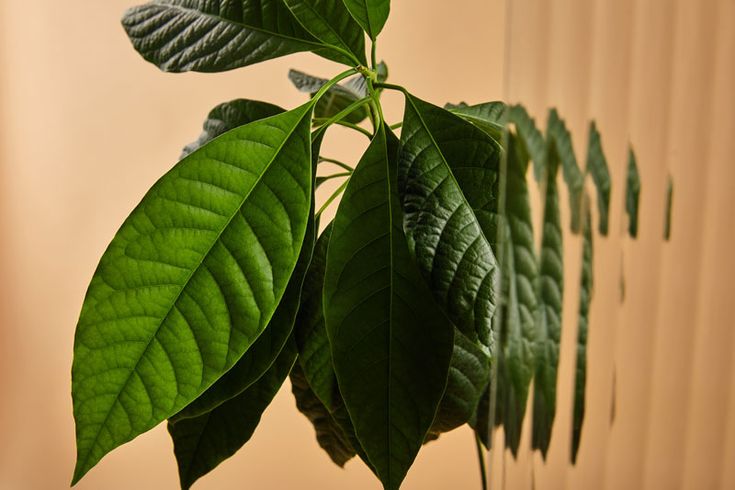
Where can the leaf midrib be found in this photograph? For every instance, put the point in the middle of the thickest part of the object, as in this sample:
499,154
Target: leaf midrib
184,286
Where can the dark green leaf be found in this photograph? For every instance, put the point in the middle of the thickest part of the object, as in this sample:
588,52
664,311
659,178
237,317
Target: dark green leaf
558,135
669,206
448,176
331,23
329,434
597,167
480,420
202,443
219,35
489,116
337,98
391,347
370,14
190,280
230,115
585,298
531,138
632,194
550,290
520,273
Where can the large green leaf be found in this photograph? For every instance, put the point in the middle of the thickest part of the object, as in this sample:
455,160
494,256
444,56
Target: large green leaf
448,180
550,290
201,443
391,346
190,280
632,194
337,98
488,116
264,351
520,272
585,298
329,434
370,14
219,35
597,167
331,23
230,115
559,136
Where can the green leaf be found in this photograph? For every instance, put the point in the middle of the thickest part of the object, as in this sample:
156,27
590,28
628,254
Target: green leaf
550,292
480,419
448,178
329,434
259,357
190,280
559,136
337,98
219,35
585,298
489,116
469,375
533,141
668,208
202,443
391,346
331,23
632,194
370,14
230,115
518,326
597,167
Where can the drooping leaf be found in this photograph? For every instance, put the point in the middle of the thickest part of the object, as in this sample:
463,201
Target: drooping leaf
632,194
448,180
585,298
669,206
230,115
520,273
370,14
597,167
202,443
337,98
489,116
259,357
391,346
331,23
219,35
469,375
329,434
190,281
531,138
480,419
559,136
550,291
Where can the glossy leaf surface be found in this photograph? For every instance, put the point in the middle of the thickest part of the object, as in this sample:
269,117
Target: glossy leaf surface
190,280
219,35
390,346
489,116
370,14
202,443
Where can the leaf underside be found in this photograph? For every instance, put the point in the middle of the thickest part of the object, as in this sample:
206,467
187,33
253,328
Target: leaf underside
190,281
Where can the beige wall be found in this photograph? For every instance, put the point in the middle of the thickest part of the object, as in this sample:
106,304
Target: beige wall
86,126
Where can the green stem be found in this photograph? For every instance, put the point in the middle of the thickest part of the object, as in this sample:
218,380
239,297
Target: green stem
373,57
321,120
396,125
331,199
342,114
481,460
390,86
334,176
336,162
334,81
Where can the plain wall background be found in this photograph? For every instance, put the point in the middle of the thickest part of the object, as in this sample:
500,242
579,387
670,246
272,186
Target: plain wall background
86,126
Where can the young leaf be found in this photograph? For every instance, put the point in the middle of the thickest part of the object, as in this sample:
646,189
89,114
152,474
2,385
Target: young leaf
190,280
448,175
329,434
337,98
632,194
230,115
520,275
269,344
219,35
550,291
390,346
559,136
597,167
370,14
585,298
331,23
202,443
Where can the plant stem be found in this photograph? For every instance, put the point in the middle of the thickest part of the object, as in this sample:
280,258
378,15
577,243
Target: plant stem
336,162
335,176
373,57
346,124
334,81
342,114
481,460
390,86
331,199
396,125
